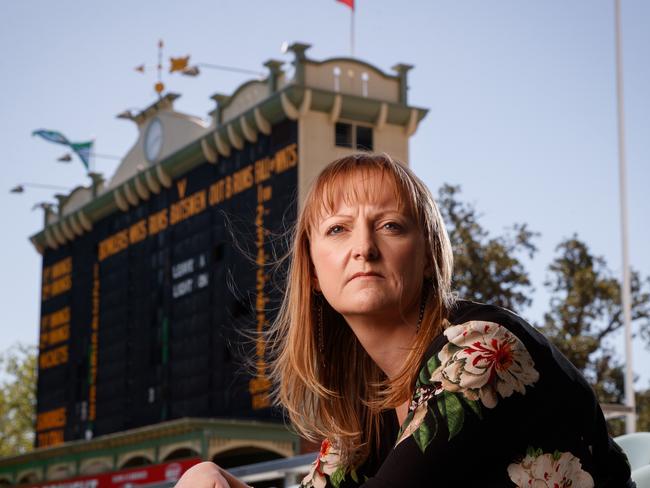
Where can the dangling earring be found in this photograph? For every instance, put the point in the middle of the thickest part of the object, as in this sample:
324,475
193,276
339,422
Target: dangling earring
318,297
423,303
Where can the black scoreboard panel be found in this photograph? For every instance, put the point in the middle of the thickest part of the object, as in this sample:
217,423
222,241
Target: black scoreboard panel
142,318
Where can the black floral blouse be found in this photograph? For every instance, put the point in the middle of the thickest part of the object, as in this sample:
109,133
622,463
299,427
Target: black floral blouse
495,405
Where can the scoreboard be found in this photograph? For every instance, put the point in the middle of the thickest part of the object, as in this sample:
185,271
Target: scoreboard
148,317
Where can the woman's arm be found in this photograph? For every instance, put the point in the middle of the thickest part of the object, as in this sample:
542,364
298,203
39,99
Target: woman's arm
209,475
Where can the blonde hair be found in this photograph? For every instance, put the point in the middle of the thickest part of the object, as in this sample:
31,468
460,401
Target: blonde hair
323,399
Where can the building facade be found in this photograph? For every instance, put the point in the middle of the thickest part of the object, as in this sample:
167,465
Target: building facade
156,282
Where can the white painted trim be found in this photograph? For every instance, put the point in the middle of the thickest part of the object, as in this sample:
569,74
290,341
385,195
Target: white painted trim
380,123
233,138
306,102
50,240
412,124
141,189
58,237
222,146
83,220
152,183
119,200
249,133
67,232
289,110
75,225
130,196
335,113
163,177
208,153
262,124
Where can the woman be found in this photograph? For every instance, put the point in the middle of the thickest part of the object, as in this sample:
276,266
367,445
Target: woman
408,385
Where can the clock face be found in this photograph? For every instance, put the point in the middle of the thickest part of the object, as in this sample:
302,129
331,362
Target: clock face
153,140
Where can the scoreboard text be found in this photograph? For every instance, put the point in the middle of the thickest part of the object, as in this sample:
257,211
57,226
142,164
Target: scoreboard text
148,317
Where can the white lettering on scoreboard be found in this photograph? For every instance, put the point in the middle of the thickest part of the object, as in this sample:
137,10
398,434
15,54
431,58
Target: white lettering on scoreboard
185,269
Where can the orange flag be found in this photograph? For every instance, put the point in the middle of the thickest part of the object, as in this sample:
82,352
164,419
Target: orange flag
178,64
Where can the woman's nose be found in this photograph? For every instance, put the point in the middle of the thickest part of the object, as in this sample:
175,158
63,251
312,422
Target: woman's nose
364,245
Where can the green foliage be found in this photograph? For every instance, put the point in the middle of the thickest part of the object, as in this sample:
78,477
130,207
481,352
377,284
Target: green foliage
486,269
17,399
585,313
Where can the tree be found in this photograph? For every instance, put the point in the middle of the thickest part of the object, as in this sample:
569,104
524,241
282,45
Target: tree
585,314
17,399
487,269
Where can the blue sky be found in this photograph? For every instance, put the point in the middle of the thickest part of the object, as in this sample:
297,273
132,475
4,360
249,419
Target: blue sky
521,97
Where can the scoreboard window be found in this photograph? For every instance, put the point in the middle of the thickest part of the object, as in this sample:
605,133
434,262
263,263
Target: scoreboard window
145,318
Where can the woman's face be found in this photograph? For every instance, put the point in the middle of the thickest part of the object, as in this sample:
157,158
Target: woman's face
369,256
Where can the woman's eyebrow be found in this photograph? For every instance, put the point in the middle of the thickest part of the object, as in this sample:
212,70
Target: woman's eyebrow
375,215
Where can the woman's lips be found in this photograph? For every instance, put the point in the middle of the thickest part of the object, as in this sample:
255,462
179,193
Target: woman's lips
366,275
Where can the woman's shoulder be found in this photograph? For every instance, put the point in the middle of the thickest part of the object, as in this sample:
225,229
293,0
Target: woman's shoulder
490,368
482,354
484,342
487,321
463,311
470,321
490,323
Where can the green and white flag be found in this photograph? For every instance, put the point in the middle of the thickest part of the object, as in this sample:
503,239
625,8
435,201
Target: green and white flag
81,149
52,136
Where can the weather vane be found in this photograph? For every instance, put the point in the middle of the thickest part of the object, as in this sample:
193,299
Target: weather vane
181,65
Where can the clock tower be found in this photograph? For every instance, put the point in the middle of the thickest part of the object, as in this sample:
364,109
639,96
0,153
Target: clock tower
162,132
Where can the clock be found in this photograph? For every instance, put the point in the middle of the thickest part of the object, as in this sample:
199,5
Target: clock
153,140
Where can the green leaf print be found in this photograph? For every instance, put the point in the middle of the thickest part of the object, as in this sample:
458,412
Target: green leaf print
337,477
455,414
426,431
423,378
432,364
422,436
532,452
354,475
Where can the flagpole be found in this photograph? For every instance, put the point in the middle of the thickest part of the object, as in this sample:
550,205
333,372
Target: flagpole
630,417
352,32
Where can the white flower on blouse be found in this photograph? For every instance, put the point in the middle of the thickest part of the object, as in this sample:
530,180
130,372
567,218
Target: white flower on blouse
557,470
326,463
482,359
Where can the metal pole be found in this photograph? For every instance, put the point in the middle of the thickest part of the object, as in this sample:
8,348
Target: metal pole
352,32
630,418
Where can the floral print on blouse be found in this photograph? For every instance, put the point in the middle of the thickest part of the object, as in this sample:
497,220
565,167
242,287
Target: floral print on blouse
556,470
490,387
480,360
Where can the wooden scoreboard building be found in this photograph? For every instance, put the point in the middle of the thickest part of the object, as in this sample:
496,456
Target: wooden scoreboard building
151,279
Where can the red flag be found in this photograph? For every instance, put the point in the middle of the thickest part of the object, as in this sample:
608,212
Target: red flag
349,3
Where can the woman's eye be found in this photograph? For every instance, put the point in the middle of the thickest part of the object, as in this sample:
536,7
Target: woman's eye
335,229
391,226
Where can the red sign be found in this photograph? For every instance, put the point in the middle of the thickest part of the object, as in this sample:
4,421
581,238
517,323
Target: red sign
126,478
